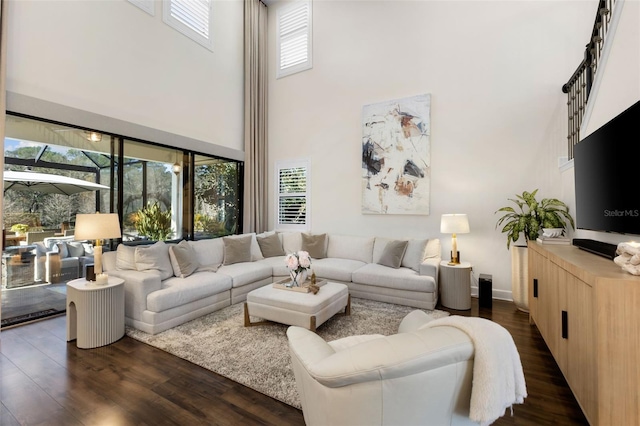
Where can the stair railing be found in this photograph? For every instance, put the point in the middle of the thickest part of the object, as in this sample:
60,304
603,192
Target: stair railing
579,85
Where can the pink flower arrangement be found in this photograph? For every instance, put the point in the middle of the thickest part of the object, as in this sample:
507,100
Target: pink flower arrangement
297,263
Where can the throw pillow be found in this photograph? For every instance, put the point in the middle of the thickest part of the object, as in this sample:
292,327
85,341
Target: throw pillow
414,255
88,249
183,259
154,257
63,251
75,249
393,254
270,245
237,249
315,245
126,258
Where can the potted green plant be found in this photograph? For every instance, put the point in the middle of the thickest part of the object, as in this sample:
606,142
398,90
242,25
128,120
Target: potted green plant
532,216
527,219
154,223
20,228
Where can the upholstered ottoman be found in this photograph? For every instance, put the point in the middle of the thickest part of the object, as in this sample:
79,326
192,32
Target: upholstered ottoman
306,310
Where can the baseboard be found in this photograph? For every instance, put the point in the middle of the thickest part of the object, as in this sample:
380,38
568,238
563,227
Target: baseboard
495,294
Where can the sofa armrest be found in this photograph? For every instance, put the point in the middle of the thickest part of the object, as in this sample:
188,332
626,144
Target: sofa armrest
307,346
413,321
137,286
430,267
379,359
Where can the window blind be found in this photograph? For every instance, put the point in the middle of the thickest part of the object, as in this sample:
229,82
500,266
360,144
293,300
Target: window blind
190,17
292,184
294,38
192,13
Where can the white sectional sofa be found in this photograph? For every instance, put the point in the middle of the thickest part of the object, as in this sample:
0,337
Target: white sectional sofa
161,292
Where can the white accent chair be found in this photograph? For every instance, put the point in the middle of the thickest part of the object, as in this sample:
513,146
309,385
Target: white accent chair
418,376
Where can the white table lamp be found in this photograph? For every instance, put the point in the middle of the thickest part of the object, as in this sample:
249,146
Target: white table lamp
97,226
454,224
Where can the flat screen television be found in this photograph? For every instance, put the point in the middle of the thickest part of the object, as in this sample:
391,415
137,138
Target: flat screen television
607,170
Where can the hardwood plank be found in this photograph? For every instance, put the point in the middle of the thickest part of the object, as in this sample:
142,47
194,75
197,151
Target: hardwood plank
6,419
45,379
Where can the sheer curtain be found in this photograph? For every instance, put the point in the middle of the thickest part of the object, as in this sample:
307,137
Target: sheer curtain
3,91
255,117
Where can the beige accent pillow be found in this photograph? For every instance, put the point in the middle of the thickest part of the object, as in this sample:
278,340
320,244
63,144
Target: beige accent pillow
126,258
393,254
237,249
315,245
414,255
270,245
154,257
183,259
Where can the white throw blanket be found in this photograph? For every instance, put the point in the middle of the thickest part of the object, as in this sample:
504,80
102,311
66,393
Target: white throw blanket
498,380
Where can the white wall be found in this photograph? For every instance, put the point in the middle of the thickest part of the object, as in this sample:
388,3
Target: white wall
494,71
111,58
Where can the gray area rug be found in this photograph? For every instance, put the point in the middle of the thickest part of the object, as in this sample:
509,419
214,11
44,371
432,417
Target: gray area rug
258,357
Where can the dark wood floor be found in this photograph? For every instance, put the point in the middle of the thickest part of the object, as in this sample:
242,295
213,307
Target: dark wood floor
45,380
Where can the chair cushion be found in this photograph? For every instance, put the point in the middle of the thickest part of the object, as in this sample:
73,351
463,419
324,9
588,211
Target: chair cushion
180,291
277,265
336,269
400,279
246,272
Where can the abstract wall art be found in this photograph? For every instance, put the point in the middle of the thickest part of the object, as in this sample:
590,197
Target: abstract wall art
396,160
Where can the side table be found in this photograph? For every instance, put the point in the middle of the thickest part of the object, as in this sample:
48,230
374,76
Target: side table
95,312
455,285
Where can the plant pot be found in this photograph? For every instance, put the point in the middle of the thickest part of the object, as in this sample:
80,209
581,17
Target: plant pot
519,277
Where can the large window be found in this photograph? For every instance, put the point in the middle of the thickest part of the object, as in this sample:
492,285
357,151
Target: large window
294,41
160,193
217,197
293,201
151,192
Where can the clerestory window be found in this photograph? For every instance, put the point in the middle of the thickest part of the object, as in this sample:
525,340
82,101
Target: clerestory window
192,18
294,41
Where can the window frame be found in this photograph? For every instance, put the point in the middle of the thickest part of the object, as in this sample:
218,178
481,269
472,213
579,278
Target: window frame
148,6
187,30
284,11
292,164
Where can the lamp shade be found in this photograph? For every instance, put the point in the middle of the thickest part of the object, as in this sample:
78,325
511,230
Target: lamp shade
97,226
454,224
